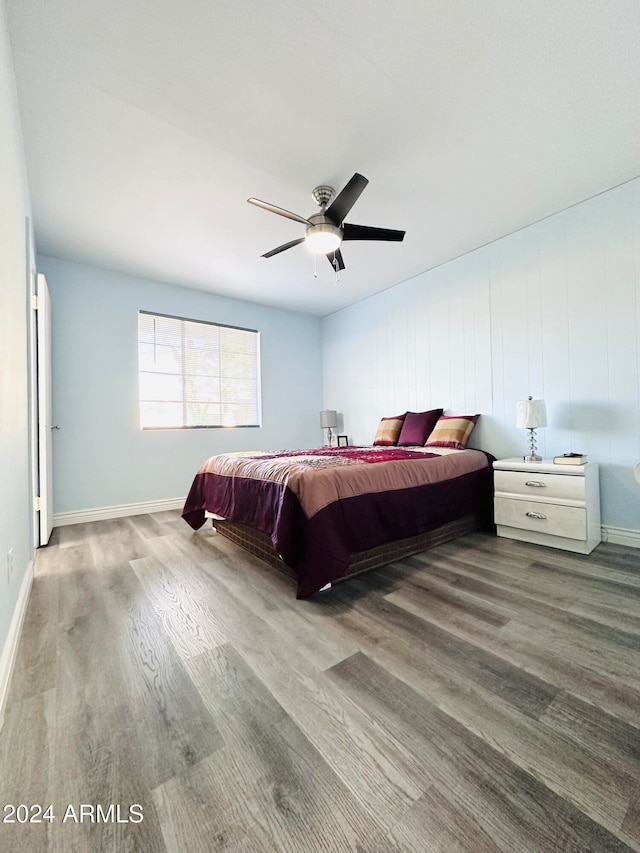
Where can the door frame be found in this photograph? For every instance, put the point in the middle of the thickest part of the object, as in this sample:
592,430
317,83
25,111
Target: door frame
39,399
33,382
44,501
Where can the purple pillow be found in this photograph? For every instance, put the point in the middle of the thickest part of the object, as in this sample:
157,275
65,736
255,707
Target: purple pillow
418,426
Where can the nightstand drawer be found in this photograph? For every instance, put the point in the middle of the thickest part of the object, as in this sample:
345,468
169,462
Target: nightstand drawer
540,486
557,520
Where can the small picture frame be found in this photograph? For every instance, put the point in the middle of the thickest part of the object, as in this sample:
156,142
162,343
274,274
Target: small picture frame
343,441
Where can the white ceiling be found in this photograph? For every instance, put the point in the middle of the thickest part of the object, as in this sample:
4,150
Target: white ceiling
148,123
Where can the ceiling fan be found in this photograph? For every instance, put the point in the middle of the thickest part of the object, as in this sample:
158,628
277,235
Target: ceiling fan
327,230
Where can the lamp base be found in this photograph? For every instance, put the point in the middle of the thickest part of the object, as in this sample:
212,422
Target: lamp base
533,456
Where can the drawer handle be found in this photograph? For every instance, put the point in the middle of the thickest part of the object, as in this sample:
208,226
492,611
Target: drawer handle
536,484
536,515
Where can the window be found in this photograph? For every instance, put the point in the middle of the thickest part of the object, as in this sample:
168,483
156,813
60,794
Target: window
195,374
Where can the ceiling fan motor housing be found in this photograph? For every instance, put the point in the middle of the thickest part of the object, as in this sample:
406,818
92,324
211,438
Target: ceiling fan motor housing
322,236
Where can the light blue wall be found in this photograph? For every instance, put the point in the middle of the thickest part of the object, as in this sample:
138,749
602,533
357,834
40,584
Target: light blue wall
101,457
552,310
15,492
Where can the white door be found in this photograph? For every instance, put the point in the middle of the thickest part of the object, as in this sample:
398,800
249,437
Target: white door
45,480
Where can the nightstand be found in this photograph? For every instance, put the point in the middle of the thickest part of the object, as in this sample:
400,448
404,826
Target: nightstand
548,504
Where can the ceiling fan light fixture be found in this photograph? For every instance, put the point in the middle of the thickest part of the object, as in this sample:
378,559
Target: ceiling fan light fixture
322,238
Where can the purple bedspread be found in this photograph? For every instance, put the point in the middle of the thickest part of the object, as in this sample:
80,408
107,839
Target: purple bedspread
319,507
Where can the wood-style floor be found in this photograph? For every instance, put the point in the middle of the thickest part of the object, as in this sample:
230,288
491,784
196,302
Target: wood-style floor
481,697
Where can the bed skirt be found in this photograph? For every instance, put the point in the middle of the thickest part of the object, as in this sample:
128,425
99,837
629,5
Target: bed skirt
260,545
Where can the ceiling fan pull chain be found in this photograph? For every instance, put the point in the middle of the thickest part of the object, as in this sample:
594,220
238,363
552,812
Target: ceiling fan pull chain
315,266
336,267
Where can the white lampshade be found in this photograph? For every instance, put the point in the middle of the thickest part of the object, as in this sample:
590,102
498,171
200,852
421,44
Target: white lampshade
531,414
328,419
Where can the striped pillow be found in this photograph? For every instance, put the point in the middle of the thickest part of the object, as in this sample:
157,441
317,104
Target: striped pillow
388,431
452,431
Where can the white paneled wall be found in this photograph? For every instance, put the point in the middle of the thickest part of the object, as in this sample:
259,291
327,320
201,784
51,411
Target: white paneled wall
552,310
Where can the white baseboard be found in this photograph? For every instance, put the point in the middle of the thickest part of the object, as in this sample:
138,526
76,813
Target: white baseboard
10,649
621,536
121,511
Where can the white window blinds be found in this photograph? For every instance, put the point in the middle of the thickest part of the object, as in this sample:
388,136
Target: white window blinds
195,374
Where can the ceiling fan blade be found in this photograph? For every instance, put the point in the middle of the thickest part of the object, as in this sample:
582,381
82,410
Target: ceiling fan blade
282,248
334,257
279,210
346,198
365,232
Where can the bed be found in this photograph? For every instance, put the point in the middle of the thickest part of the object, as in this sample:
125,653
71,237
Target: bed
325,514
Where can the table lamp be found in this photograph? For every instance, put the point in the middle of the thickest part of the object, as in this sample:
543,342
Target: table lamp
531,414
328,420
